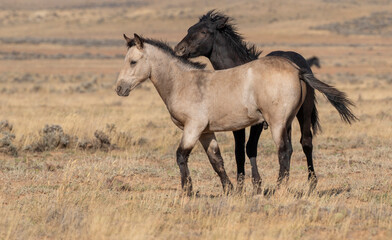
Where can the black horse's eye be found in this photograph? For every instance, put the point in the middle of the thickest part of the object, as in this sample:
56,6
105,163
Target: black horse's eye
203,32
133,62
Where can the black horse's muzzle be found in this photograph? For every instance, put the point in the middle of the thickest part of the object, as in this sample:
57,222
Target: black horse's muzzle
180,50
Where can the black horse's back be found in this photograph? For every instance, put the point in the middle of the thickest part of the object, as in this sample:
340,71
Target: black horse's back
294,57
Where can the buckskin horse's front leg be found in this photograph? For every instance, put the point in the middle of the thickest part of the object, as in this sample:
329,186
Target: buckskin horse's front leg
189,138
211,147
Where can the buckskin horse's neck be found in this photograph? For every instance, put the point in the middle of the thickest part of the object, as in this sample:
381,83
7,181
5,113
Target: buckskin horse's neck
223,56
164,72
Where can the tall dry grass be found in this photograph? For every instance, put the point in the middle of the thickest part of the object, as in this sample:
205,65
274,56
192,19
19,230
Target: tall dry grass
82,196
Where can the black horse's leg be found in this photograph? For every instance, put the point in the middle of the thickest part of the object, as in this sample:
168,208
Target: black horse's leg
251,151
239,138
211,147
304,119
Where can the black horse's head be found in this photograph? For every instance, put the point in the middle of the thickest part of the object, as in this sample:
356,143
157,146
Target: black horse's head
201,36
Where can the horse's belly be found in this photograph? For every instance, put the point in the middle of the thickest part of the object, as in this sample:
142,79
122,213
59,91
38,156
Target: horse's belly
233,122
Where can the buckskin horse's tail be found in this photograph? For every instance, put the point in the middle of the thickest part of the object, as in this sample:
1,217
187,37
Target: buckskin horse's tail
337,98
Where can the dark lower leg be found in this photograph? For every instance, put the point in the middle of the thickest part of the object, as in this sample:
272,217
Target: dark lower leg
309,159
182,161
239,138
211,147
251,151
284,162
312,178
307,147
304,117
284,154
216,161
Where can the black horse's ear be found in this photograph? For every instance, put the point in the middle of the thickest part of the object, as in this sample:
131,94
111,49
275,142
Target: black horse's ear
138,41
127,39
221,23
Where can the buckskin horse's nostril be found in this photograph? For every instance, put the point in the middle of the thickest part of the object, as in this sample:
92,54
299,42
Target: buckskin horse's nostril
118,89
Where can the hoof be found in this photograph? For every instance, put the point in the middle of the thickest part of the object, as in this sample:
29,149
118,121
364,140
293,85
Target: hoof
312,184
228,188
187,189
257,186
240,183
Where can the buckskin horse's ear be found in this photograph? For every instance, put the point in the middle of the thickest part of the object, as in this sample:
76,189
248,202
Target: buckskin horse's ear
220,23
127,39
138,41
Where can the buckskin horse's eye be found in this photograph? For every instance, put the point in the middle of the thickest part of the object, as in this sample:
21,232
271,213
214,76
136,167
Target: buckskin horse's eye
133,63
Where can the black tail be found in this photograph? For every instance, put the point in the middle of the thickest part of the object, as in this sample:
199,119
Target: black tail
337,98
316,126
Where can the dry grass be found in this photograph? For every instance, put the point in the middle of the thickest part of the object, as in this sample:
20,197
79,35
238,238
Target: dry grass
133,190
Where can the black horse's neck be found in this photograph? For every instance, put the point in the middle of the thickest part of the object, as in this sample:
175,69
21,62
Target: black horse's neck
227,53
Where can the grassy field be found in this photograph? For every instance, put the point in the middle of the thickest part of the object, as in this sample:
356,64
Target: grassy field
107,169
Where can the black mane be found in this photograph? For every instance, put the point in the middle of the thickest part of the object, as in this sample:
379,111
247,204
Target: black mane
166,48
247,51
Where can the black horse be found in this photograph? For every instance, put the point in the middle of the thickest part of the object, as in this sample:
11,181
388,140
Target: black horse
217,39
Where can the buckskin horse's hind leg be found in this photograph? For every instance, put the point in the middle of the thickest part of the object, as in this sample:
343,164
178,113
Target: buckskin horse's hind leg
211,147
251,151
281,136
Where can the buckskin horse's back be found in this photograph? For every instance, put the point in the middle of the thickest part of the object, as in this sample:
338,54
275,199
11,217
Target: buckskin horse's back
261,86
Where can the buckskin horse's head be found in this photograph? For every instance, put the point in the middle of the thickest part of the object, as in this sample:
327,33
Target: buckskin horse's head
136,68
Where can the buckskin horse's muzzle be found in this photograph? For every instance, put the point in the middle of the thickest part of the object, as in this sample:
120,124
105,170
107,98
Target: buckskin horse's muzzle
123,89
